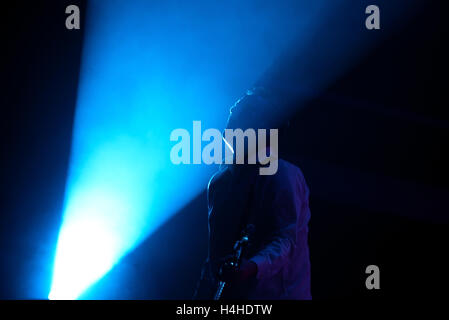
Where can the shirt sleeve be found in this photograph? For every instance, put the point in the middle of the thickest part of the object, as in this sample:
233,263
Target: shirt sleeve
285,205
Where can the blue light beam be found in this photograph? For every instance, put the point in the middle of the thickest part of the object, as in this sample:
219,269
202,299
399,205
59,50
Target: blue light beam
149,67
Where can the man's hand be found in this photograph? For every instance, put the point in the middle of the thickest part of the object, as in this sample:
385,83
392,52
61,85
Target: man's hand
230,273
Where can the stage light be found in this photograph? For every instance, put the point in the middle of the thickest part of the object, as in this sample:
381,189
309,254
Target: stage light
86,251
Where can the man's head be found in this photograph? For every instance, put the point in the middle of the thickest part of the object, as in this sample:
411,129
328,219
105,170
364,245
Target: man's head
255,110
248,131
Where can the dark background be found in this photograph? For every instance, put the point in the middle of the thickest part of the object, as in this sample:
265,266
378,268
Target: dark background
372,148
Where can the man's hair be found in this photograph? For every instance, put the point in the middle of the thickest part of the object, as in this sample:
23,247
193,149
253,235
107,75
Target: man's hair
259,108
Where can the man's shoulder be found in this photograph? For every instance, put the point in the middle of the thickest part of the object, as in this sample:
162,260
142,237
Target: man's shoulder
288,170
287,166
287,173
222,172
287,177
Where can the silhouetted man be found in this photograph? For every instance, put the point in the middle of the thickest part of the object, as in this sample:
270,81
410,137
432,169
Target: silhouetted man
276,264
